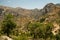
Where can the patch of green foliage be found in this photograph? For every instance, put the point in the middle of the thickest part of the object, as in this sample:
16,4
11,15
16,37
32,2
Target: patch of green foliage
21,37
8,24
42,20
40,30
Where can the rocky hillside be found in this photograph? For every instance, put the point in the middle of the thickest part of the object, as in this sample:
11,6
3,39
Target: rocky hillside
49,14
23,16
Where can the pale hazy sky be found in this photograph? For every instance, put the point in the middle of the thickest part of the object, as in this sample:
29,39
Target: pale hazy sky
29,4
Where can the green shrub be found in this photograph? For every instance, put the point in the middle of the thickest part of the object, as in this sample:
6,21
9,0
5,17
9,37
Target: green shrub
8,24
21,37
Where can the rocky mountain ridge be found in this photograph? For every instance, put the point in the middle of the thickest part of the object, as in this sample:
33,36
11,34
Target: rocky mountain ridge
23,16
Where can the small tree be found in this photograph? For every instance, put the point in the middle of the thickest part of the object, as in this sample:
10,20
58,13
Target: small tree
8,24
42,20
32,28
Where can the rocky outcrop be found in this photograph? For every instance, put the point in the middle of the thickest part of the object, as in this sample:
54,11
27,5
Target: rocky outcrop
5,38
56,28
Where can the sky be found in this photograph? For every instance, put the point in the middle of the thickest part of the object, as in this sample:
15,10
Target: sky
28,4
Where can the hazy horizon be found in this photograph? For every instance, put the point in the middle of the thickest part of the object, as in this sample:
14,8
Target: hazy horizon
27,4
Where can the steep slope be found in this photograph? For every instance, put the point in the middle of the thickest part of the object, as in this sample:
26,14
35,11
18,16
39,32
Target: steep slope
51,13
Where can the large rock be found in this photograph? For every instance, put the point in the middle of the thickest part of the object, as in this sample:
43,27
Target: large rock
5,38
